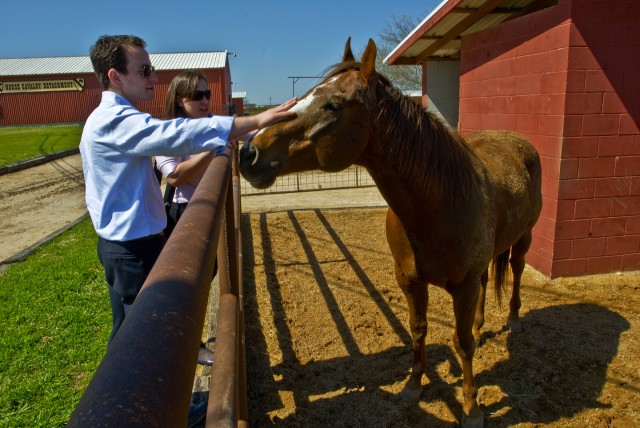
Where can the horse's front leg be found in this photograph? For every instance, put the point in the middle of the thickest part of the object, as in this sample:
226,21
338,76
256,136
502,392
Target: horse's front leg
465,300
417,295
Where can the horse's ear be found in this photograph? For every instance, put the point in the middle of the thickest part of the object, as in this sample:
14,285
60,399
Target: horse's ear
348,55
368,62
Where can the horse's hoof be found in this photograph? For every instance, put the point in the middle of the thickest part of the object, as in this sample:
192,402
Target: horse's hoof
514,326
411,392
472,422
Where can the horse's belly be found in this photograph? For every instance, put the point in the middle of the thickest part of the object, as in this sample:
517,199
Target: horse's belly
444,250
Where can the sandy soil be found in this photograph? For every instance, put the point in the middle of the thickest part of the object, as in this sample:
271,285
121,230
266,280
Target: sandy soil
38,202
45,200
328,343
327,339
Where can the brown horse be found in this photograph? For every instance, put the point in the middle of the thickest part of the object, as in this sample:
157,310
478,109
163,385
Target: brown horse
454,205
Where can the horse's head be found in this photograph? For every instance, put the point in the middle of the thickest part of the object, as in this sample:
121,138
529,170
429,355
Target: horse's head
330,131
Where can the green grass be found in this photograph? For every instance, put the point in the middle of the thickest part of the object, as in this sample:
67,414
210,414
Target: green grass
20,143
56,320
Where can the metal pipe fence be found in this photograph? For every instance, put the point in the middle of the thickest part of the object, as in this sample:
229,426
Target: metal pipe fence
146,376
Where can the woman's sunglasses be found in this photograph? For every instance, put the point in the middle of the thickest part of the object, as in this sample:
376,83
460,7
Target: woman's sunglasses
199,95
147,70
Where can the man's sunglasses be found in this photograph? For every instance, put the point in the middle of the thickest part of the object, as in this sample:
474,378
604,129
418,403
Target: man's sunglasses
147,70
199,95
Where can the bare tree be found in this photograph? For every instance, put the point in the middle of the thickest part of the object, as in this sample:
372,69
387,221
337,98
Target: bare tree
406,77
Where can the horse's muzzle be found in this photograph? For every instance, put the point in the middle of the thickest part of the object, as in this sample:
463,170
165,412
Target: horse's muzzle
260,176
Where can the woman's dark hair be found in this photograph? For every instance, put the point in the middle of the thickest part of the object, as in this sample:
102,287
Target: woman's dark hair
183,85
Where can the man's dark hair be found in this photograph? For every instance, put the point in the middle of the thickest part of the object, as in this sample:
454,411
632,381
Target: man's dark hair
110,52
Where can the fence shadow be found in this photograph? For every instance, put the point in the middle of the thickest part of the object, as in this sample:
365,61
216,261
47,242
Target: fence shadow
554,369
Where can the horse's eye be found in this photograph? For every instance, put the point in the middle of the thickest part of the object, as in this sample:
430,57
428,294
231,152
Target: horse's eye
332,106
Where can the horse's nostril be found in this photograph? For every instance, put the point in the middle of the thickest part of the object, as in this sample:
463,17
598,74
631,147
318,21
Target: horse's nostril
255,160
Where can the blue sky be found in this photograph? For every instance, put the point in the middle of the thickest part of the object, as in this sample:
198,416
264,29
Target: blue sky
272,39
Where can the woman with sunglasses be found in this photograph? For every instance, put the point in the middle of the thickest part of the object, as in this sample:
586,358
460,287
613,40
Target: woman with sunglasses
188,96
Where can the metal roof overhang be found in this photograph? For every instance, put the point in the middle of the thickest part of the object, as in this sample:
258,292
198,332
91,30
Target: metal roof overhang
82,64
439,35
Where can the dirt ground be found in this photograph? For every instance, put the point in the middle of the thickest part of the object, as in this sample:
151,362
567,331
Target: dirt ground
42,201
327,338
38,202
328,343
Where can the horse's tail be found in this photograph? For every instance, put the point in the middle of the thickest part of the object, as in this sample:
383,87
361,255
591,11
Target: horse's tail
499,272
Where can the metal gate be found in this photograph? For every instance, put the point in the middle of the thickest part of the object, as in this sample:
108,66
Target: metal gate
354,176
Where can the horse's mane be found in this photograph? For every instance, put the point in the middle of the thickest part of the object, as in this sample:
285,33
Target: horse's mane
434,157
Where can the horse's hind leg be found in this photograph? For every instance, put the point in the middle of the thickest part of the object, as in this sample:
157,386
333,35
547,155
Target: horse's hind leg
417,295
465,302
518,251
478,321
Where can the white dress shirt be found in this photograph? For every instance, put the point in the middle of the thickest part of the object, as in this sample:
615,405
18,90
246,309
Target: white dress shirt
118,141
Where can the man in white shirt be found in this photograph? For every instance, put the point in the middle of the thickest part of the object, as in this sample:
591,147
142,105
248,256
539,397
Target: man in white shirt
122,193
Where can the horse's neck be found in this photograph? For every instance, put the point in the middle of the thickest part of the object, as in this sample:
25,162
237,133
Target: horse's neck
394,185
418,161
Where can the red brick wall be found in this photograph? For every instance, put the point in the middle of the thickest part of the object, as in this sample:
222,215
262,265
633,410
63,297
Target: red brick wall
567,78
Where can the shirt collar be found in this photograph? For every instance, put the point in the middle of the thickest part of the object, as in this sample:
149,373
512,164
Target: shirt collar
114,98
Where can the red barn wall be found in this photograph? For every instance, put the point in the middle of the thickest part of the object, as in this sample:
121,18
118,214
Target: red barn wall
30,108
35,108
567,78
238,104
219,83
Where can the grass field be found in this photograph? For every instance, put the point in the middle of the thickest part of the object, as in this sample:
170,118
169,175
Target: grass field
20,143
56,321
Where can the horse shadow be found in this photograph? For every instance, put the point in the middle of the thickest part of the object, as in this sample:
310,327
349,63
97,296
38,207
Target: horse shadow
557,367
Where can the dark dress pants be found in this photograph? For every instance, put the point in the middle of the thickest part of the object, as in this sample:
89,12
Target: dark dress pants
126,266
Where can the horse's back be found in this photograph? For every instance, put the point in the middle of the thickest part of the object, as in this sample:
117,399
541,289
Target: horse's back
508,156
514,166
505,145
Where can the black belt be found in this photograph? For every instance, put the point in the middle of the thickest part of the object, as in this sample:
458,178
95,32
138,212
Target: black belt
144,238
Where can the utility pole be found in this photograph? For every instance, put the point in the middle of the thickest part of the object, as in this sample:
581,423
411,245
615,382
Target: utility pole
294,79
